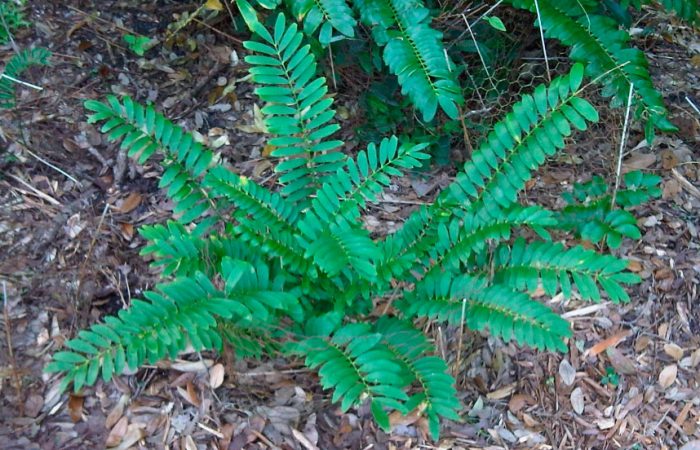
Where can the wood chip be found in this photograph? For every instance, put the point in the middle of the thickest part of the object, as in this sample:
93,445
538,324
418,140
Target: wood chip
604,344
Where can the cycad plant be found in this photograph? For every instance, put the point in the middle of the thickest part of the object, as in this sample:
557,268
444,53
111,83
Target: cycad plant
293,270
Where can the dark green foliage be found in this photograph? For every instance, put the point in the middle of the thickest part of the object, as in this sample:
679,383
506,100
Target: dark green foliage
18,64
589,213
296,271
598,42
413,51
12,17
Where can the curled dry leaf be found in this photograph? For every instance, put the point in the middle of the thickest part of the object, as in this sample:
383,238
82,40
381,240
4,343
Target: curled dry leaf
604,344
129,204
638,161
668,376
503,392
216,376
518,402
117,411
134,433
577,402
75,407
116,434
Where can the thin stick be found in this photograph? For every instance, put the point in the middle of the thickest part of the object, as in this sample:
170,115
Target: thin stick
81,271
692,105
623,143
481,57
461,337
226,35
10,352
9,35
467,141
461,35
23,83
36,191
330,58
57,169
544,46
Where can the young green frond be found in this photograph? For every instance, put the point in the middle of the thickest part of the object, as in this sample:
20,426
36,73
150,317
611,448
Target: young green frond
143,131
488,186
329,15
524,266
506,313
297,111
413,51
18,64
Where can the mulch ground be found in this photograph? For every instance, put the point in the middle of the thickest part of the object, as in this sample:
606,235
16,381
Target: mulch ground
71,204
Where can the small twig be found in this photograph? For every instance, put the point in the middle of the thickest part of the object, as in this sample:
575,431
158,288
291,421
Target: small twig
23,83
330,59
692,105
226,35
465,131
36,191
461,338
461,35
13,364
81,271
623,143
57,169
686,184
107,22
478,51
544,46
9,35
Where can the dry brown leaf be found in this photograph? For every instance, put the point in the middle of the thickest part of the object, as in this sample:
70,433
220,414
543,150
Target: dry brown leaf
668,376
216,376
192,395
33,405
134,433
604,344
567,372
129,204
638,161
260,167
674,351
75,407
577,402
116,434
503,392
117,411
127,230
622,364
396,418
192,366
634,266
518,402
303,440
671,189
669,160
